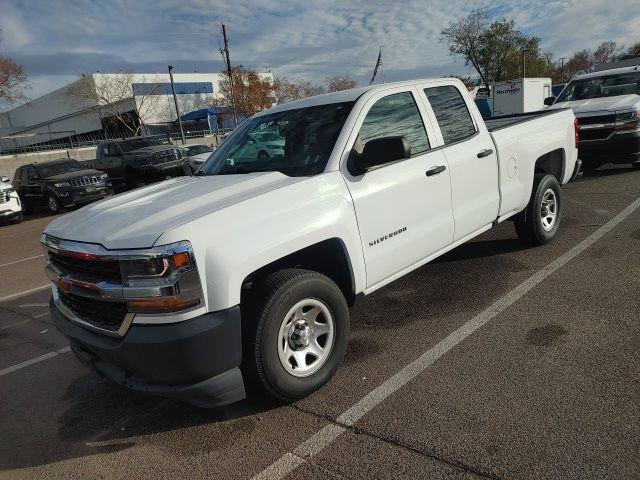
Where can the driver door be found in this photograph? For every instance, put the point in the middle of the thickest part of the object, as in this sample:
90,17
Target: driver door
403,208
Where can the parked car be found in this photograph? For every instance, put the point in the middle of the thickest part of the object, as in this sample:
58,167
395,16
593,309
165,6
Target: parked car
607,106
139,160
10,205
196,155
60,184
244,272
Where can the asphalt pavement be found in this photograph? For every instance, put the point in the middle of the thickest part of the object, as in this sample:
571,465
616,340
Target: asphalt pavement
495,361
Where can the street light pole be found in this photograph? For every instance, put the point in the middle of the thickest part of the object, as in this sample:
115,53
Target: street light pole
175,100
227,59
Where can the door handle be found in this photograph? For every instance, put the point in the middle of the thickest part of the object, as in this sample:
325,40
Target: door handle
436,170
485,153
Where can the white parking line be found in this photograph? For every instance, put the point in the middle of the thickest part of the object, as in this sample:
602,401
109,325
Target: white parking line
39,359
24,292
21,260
21,322
28,305
325,436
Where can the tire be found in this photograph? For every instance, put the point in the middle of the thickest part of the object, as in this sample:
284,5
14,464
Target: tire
533,227
53,204
18,218
263,156
636,164
130,179
272,326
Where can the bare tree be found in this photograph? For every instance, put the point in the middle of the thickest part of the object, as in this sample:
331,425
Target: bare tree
287,90
13,81
605,53
632,52
495,49
113,94
252,93
336,83
466,79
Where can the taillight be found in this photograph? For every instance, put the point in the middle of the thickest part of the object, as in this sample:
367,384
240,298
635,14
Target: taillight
576,129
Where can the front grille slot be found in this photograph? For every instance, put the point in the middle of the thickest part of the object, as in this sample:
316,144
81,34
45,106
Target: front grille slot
96,269
105,315
85,181
4,196
596,119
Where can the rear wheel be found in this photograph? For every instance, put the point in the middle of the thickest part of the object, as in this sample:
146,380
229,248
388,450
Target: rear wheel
297,325
540,221
263,156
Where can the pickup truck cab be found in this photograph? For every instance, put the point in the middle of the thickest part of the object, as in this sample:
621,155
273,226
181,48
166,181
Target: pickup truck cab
607,107
138,160
242,275
10,205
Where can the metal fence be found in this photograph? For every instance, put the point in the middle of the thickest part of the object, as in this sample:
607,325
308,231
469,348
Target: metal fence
43,142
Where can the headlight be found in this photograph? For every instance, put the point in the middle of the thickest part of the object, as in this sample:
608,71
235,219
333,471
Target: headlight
104,177
61,184
628,120
169,271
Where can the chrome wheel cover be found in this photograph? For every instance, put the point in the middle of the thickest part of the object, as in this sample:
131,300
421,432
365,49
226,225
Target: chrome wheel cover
306,337
548,210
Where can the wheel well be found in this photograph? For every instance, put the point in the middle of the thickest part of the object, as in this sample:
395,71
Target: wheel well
328,257
552,163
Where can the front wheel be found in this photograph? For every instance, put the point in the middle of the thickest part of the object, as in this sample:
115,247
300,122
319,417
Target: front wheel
297,327
539,223
53,204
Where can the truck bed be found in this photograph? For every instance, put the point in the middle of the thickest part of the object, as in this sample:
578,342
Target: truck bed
503,121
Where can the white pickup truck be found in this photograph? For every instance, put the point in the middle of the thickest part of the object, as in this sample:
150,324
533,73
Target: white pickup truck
242,275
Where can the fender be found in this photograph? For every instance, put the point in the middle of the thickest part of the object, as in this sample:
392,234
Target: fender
234,242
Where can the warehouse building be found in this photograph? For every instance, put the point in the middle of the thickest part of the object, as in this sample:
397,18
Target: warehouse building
114,105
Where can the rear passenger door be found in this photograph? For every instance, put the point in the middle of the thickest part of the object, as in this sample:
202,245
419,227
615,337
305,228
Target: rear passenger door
403,208
469,151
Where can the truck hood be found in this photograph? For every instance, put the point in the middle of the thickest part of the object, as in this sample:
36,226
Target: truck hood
75,174
137,218
151,149
604,104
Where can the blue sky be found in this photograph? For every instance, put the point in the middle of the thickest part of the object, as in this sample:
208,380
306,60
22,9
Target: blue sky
57,40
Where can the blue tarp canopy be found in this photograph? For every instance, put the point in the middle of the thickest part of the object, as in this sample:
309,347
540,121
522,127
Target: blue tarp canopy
204,113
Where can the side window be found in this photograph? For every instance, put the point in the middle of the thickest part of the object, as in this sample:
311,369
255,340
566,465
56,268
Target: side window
391,116
451,112
31,173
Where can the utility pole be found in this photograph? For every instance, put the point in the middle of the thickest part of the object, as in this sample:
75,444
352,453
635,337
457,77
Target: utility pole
175,100
227,58
562,69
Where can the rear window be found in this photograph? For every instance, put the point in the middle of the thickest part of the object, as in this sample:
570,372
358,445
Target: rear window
451,112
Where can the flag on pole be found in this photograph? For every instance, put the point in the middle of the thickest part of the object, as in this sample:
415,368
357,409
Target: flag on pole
378,64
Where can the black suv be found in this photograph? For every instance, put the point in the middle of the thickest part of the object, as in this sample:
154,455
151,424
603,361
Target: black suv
138,160
59,184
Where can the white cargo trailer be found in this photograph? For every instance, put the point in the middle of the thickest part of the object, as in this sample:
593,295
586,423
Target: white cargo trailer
520,95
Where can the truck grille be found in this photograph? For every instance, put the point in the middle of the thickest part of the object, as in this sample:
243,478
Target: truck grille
105,315
597,119
86,181
94,268
4,196
164,157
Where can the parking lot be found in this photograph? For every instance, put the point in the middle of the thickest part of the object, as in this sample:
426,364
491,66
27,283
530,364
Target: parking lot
495,361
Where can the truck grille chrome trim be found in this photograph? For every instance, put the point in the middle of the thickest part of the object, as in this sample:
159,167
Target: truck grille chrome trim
71,315
86,181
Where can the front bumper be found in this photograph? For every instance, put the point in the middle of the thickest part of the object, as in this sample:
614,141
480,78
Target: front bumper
11,208
80,195
618,148
173,167
196,361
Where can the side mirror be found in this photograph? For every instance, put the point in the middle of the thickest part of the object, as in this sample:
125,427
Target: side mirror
4,179
379,152
549,100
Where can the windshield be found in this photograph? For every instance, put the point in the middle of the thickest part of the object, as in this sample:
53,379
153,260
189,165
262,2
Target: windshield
604,86
59,167
137,143
198,149
294,142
